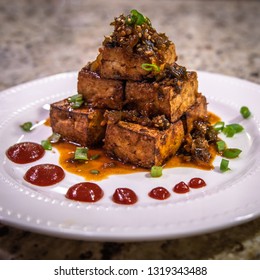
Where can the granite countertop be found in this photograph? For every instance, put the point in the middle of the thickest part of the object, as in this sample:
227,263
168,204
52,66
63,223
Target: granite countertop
41,38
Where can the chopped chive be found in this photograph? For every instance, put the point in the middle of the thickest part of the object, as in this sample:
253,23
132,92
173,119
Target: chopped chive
94,171
96,156
46,144
156,171
54,138
137,18
245,112
81,153
221,145
224,165
26,126
150,67
219,126
237,127
77,104
76,101
75,97
231,153
231,129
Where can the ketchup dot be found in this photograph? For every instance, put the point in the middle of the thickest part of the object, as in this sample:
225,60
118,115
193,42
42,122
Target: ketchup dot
85,192
124,196
159,193
44,175
196,183
181,188
25,152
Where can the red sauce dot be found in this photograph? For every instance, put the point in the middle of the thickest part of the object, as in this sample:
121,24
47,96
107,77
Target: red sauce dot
196,183
25,152
85,192
124,196
159,193
181,188
44,175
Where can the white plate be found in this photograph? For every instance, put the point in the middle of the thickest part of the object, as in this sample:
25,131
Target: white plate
228,199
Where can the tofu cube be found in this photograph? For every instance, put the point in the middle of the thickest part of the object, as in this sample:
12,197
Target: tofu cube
81,126
118,63
159,98
197,112
142,146
100,93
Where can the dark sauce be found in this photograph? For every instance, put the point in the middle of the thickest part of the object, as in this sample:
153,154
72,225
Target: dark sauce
44,175
85,192
124,196
25,152
159,193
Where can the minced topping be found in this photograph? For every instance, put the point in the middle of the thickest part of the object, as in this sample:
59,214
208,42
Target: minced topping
135,33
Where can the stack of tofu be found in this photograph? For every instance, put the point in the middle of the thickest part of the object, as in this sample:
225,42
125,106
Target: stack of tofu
139,104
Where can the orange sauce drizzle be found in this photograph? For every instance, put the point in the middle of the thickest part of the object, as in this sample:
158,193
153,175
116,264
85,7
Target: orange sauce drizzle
105,166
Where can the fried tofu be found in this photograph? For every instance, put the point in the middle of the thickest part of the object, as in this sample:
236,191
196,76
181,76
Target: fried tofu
142,146
118,63
81,126
197,112
171,99
100,93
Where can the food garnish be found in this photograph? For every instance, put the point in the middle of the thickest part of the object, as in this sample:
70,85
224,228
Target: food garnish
221,145
96,156
156,171
27,126
231,129
46,144
150,67
94,171
137,18
219,126
224,165
54,138
76,101
81,153
245,112
231,153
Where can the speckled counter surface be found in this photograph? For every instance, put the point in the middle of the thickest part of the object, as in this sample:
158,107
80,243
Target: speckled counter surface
41,38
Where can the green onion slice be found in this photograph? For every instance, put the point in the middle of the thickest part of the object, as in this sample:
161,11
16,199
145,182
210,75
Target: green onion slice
237,127
224,165
245,112
231,129
156,171
96,156
46,144
150,67
76,101
231,153
219,126
54,138
81,153
26,126
221,145
137,18
94,171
